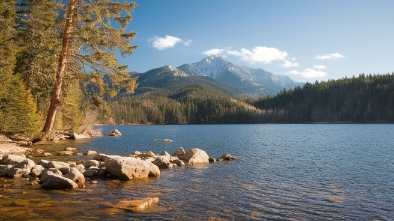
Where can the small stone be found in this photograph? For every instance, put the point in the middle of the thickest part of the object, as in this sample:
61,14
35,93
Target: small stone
91,152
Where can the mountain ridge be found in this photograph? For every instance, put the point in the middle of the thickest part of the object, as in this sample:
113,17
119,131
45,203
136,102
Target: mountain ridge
219,73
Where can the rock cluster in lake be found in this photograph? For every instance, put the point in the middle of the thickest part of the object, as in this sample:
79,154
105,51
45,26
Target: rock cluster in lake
71,175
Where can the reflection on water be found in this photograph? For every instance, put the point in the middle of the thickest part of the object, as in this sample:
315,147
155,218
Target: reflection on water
285,172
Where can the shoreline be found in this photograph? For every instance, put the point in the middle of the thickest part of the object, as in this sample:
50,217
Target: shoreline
9,148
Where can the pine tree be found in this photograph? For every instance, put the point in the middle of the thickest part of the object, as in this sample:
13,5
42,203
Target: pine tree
92,31
17,108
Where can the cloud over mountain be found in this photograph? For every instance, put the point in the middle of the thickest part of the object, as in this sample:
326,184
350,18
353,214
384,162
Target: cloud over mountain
168,41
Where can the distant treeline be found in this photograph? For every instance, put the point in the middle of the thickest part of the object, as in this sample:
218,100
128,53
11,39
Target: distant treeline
363,99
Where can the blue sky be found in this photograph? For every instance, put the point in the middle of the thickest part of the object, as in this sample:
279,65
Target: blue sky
307,40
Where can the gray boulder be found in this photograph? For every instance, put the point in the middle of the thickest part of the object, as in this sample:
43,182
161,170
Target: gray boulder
18,172
25,164
45,173
13,159
57,182
43,163
76,176
126,168
196,156
36,170
91,172
62,166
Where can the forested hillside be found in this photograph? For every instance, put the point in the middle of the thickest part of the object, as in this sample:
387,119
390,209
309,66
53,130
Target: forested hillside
195,104
367,98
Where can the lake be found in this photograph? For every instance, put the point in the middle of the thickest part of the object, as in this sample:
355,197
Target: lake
284,172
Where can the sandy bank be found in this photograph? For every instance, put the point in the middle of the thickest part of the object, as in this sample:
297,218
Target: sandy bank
8,148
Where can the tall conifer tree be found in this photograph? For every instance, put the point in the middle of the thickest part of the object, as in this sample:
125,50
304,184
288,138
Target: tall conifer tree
92,31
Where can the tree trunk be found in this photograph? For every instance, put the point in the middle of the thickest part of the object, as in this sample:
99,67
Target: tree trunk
57,89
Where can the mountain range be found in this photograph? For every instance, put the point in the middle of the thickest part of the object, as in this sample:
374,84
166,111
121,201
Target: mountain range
214,72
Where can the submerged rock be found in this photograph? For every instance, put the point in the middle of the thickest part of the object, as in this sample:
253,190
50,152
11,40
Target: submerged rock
126,168
226,157
137,205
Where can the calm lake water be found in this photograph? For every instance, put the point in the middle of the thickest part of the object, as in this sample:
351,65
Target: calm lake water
284,172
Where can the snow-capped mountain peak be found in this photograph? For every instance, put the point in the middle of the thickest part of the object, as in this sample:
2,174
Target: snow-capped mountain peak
213,66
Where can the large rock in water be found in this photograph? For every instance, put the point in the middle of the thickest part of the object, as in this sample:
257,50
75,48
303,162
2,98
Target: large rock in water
196,156
127,168
76,176
57,182
114,132
62,166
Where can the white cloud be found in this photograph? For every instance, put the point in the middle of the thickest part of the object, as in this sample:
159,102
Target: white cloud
164,43
290,64
293,72
333,56
319,67
214,51
259,54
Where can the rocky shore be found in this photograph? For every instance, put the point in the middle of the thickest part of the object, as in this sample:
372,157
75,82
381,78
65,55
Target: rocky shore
59,175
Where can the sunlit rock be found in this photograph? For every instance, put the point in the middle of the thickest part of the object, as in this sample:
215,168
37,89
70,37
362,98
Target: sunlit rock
196,156
13,159
36,170
126,168
162,162
62,166
57,182
25,164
